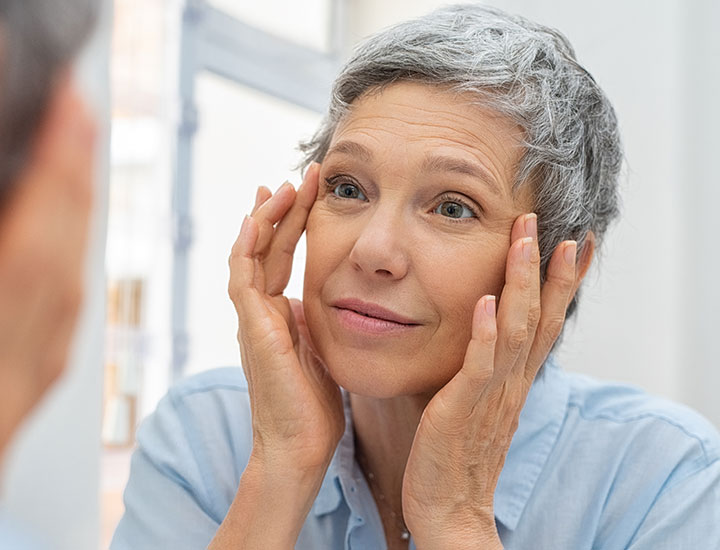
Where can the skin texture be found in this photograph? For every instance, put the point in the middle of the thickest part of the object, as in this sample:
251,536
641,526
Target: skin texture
435,408
394,250
43,233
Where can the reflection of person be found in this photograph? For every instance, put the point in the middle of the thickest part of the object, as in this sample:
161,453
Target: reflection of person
465,156
46,158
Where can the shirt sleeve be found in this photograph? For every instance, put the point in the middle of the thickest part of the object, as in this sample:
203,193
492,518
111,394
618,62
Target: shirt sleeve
685,515
169,496
13,538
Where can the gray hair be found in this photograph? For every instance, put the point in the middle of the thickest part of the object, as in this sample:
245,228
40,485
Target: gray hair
523,70
38,39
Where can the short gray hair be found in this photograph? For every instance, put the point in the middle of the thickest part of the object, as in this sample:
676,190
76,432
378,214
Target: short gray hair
523,70
38,39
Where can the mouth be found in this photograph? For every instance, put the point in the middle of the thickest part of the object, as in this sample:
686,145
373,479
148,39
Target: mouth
371,318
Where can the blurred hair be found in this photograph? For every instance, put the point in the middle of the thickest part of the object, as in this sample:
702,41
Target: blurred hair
38,39
523,70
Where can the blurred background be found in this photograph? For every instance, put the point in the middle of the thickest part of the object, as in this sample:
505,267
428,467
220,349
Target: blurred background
204,100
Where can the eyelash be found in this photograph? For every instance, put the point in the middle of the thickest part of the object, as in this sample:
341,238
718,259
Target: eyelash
332,182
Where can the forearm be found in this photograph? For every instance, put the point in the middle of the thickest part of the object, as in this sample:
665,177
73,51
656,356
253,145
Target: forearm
269,509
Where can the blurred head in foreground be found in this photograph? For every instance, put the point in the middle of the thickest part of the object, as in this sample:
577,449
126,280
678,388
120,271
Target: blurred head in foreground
46,162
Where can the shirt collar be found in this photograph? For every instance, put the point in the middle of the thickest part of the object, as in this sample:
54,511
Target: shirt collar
538,429
341,467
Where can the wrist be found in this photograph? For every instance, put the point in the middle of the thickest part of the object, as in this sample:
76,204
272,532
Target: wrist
270,507
459,533
296,467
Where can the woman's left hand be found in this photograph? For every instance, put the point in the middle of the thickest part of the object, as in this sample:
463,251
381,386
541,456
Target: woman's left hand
466,429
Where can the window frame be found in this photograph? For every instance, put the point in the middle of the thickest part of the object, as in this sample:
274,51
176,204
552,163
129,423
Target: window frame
213,41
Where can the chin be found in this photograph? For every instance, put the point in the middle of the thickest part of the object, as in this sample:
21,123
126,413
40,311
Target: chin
382,380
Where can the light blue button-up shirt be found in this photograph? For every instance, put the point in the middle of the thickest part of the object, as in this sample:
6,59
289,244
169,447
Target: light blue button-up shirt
591,466
13,538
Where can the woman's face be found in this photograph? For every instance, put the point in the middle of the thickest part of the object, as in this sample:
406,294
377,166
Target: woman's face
410,228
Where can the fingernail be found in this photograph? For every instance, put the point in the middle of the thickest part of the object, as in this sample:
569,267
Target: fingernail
570,252
531,225
257,195
527,248
490,306
244,223
284,185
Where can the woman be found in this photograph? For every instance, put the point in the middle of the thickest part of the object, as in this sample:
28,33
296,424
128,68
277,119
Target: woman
46,165
453,200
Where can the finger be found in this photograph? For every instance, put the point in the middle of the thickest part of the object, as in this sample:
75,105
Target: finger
257,323
242,261
519,302
460,395
262,195
279,259
555,297
270,213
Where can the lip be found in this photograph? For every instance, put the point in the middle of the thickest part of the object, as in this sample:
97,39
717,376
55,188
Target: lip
373,311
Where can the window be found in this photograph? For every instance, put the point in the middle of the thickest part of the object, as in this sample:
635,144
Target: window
210,101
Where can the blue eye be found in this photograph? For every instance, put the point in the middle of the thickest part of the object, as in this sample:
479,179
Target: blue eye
454,209
348,191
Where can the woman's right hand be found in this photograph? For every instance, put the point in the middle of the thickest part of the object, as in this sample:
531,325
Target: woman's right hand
297,412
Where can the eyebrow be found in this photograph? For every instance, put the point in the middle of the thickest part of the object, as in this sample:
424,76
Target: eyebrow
443,163
432,163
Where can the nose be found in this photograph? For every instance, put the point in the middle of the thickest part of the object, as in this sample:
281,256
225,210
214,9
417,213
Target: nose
381,248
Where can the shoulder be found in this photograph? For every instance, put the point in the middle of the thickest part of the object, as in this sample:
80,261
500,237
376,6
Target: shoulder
200,434
205,396
230,379
213,405
629,413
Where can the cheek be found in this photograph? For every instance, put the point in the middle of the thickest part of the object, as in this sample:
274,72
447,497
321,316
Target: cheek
324,251
458,276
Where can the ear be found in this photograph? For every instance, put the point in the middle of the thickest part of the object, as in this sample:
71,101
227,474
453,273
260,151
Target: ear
66,119
583,262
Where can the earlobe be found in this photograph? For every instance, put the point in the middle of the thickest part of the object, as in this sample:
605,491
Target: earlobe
583,261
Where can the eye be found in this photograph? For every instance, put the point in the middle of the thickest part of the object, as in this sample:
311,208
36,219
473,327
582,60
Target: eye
454,209
345,189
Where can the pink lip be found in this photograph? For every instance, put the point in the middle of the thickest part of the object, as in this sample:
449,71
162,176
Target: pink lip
366,317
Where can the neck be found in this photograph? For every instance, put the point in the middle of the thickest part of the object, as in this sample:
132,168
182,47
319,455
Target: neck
384,433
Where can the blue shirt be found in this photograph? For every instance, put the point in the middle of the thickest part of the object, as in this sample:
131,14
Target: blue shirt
591,466
12,538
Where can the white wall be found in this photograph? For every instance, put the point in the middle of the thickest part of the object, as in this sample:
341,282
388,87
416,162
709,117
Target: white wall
51,478
649,314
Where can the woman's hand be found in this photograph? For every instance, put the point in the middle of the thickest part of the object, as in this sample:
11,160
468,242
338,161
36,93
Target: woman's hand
297,412
466,429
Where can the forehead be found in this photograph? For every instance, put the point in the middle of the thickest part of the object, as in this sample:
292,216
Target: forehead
420,122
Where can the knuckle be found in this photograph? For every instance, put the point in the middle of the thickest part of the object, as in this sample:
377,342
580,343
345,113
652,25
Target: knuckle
562,280
489,336
526,282
534,314
553,327
517,337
